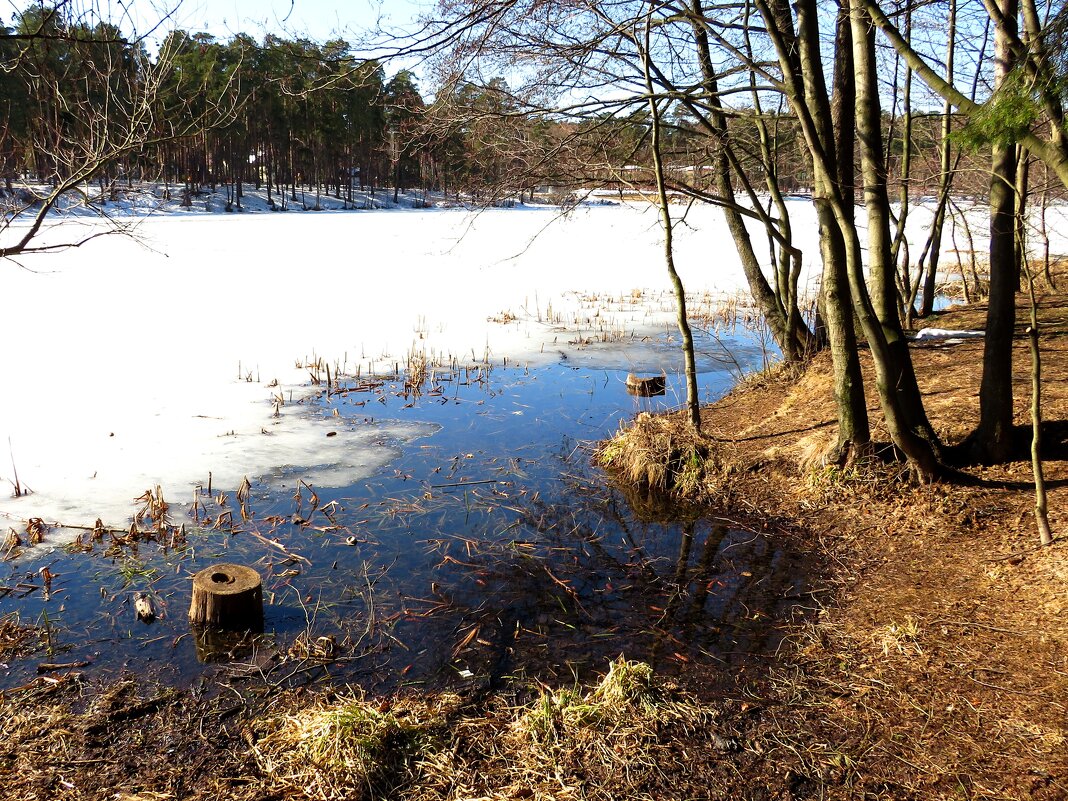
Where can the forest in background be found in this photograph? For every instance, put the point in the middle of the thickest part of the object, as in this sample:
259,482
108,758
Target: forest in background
286,112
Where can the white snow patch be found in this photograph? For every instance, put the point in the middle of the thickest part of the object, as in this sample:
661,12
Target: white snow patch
927,334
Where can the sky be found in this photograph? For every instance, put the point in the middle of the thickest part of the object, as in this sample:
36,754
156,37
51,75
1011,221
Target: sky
316,19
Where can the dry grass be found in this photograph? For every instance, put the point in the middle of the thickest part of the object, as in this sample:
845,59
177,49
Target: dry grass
663,454
350,748
616,739
18,639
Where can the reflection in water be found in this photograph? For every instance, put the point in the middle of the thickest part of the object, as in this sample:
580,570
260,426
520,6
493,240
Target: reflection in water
215,645
490,550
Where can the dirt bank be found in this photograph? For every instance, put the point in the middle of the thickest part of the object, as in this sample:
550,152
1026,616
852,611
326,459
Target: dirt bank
936,667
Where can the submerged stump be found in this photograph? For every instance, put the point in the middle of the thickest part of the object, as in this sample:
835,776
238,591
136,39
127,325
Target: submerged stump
228,597
646,387
215,645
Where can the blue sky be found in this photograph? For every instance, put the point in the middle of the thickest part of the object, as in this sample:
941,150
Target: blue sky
317,19
355,21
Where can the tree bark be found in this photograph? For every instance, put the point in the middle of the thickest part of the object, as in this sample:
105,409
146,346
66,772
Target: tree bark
825,143
805,88
992,439
813,115
693,406
930,279
901,376
1045,535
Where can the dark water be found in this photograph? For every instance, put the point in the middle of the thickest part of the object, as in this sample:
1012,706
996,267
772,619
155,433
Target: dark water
491,549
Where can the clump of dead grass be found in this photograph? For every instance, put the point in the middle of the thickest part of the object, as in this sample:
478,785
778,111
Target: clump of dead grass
828,477
663,453
900,638
18,639
627,692
617,739
350,748
617,735
815,451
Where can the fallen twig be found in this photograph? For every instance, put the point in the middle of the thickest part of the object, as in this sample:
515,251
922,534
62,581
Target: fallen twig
470,483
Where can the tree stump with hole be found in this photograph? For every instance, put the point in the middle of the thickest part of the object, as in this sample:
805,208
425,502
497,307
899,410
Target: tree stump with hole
227,597
646,387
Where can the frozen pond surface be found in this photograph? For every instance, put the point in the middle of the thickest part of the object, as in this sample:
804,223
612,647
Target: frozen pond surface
133,364
486,549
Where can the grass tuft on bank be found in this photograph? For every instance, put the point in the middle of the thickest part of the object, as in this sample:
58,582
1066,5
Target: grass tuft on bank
351,747
663,453
618,738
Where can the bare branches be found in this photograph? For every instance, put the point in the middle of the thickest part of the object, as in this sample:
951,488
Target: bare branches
88,99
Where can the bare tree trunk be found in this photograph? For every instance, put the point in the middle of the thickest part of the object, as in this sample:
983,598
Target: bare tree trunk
1045,536
1044,230
693,405
901,376
899,248
934,243
992,439
812,105
1023,170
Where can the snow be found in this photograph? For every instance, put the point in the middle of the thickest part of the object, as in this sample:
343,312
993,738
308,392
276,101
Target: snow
946,334
136,362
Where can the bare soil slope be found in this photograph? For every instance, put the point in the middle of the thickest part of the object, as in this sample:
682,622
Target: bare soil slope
937,665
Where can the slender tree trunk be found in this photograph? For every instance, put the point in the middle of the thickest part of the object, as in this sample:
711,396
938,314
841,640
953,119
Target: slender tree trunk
789,330
901,378
833,134
1044,230
992,439
693,405
1023,165
930,280
899,249
1045,535
785,258
854,432
800,59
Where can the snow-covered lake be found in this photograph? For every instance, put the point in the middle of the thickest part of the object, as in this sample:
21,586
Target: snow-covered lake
132,363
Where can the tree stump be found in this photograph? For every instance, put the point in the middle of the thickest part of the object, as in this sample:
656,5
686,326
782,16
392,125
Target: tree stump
646,387
227,597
